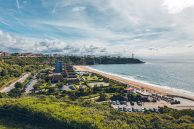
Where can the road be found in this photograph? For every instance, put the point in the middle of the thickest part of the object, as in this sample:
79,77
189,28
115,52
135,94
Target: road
11,86
30,85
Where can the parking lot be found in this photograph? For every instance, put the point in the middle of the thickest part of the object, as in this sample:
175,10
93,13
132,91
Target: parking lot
124,106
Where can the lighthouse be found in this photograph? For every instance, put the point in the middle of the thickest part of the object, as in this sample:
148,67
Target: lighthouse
133,55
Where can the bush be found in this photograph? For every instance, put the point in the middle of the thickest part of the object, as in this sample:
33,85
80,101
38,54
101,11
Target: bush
51,113
19,85
102,97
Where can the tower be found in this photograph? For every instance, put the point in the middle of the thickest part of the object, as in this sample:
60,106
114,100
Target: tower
133,55
58,66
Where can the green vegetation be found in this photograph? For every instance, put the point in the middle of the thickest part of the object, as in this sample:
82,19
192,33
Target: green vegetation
9,73
89,87
13,67
52,113
19,88
86,60
90,60
86,106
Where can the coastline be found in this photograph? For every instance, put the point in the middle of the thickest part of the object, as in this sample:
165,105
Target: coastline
148,87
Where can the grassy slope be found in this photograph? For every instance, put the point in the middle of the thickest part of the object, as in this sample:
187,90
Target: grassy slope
51,113
7,123
8,79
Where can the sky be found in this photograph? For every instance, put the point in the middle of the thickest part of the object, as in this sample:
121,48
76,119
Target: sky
147,28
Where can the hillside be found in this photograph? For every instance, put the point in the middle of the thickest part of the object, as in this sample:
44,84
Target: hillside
51,113
76,60
9,72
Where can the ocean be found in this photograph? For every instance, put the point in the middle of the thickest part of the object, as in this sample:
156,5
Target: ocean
173,74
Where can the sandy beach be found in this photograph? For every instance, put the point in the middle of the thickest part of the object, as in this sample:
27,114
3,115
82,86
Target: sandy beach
150,88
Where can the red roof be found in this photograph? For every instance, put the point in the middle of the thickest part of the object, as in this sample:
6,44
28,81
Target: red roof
130,89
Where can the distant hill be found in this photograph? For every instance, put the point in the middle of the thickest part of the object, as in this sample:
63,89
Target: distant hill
103,60
75,60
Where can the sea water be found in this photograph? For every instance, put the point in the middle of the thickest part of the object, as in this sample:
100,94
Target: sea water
174,74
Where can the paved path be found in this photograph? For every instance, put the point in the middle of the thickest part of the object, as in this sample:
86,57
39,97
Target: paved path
11,86
30,85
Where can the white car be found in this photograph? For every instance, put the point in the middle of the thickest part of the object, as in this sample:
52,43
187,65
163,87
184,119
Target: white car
129,110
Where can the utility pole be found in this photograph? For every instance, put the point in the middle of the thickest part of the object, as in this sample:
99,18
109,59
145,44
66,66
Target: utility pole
133,55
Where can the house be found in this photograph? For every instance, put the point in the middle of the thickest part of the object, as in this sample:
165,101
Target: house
82,73
56,78
29,55
70,74
67,88
71,80
4,54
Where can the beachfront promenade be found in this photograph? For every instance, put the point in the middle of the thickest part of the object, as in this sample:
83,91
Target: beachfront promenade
187,100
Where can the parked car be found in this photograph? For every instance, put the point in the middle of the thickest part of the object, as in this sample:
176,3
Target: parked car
124,102
124,109
143,110
128,109
152,109
120,109
174,102
132,103
156,110
117,102
139,103
114,102
135,110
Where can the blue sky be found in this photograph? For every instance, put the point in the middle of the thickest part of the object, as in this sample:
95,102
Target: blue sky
151,28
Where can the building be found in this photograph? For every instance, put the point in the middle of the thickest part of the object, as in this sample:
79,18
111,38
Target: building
56,78
70,74
30,55
4,54
58,66
69,71
133,55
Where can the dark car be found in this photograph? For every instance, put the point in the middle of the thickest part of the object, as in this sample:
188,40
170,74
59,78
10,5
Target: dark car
132,103
139,103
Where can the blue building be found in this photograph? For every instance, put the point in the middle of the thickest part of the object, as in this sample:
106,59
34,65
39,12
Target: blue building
58,66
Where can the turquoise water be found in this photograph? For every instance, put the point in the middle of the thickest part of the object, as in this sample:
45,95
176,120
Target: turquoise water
165,73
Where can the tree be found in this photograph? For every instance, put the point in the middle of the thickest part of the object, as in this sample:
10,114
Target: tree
35,87
119,97
4,72
19,85
102,97
15,93
51,90
47,78
60,85
3,95
96,89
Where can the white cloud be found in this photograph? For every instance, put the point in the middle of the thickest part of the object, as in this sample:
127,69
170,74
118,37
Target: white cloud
123,7
87,29
118,26
78,8
176,6
14,43
95,47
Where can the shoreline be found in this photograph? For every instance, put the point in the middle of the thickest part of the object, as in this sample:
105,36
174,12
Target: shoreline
148,87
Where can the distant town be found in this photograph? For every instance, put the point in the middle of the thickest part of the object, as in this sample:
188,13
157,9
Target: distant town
6,54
